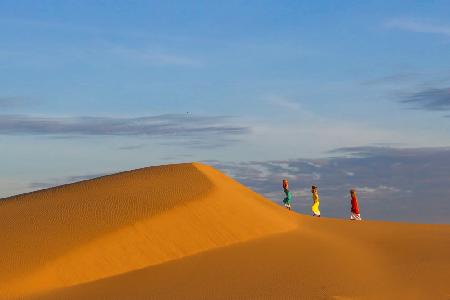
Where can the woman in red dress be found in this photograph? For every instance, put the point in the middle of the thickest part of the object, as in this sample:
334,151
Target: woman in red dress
355,215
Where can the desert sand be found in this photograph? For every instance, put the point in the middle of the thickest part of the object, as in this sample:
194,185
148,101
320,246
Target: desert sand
188,231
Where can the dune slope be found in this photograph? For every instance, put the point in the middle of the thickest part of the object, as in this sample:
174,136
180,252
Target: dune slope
322,259
189,232
115,224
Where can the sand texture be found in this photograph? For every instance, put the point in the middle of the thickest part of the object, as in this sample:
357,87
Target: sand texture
188,231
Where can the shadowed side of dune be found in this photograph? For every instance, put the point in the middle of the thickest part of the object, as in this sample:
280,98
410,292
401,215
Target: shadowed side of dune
322,259
115,224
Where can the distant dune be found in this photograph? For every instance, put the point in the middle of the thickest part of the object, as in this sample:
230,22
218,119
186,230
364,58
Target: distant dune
189,232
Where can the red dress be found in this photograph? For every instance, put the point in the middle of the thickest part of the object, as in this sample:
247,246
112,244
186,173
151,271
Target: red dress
355,208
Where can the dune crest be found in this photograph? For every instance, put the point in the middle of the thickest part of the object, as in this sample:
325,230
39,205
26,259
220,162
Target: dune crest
188,231
116,224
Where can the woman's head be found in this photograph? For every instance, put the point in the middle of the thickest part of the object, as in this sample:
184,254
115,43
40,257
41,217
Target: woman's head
353,192
285,184
314,189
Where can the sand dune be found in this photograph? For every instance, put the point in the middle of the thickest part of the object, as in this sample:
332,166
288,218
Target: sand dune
189,232
319,261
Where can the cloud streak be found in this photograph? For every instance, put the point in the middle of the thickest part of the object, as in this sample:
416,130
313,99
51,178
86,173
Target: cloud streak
9,102
155,57
133,147
392,79
67,180
417,26
283,103
175,125
432,99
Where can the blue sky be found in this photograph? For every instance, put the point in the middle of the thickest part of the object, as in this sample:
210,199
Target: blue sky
92,87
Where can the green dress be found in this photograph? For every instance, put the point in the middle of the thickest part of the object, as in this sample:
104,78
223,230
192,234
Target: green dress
288,198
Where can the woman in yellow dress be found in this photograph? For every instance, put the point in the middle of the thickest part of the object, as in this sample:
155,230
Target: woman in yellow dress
316,201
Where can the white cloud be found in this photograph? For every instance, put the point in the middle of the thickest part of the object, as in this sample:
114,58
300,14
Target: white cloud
315,165
418,26
156,57
378,189
288,175
316,176
283,102
349,173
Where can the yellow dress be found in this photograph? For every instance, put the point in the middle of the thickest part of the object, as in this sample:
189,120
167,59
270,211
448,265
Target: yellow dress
316,203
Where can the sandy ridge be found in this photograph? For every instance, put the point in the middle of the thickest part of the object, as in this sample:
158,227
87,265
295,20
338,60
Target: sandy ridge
189,232
213,211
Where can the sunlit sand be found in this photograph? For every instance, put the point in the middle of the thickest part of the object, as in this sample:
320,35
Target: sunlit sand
188,231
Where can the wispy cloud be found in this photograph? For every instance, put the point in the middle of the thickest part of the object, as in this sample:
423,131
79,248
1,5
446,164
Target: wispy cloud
201,143
56,182
376,151
433,99
154,57
163,125
418,26
283,102
9,102
132,147
377,189
391,79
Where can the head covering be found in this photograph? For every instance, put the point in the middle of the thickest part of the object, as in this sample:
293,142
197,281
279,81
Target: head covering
285,184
